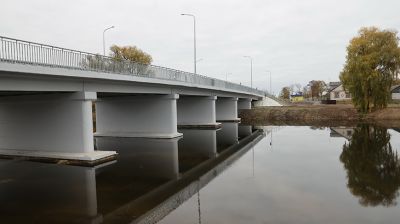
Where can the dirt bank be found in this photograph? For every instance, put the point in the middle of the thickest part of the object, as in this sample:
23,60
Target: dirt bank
316,115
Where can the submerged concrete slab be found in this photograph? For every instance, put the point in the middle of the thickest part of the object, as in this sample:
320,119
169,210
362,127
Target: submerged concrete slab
83,159
237,120
216,125
138,135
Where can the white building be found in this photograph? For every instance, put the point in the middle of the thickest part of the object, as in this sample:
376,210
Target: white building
339,94
395,90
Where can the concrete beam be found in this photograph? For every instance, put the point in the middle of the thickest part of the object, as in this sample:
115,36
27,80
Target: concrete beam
49,126
146,116
226,109
197,112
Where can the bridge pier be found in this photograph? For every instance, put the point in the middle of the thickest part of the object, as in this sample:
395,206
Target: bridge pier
197,112
227,109
244,104
49,126
145,116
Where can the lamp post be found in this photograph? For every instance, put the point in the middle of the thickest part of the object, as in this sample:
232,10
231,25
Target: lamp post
251,70
270,82
104,39
194,38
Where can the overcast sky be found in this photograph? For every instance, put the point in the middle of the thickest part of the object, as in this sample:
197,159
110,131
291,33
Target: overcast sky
297,40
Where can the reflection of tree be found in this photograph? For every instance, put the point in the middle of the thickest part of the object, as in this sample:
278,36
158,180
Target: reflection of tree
373,168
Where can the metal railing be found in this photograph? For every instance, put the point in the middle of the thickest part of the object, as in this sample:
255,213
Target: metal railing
24,52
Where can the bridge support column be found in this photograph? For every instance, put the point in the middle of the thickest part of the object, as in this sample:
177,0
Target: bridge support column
49,126
197,112
244,104
145,116
226,109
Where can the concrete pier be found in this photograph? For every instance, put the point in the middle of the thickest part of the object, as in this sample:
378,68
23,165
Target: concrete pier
197,112
146,116
49,126
226,109
244,103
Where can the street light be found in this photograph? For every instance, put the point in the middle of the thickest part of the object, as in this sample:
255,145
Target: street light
104,39
270,82
251,70
194,38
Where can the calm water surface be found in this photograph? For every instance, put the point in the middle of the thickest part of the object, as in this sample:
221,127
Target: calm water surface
239,174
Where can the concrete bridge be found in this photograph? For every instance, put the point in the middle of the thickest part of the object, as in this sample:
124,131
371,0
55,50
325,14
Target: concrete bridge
48,96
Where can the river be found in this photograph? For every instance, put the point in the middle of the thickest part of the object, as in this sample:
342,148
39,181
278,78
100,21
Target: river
239,174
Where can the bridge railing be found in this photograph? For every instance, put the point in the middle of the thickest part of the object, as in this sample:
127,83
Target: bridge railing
19,51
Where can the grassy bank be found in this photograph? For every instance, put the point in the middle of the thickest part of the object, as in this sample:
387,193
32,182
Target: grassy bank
317,115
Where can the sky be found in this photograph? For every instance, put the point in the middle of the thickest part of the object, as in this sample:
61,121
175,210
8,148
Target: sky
294,41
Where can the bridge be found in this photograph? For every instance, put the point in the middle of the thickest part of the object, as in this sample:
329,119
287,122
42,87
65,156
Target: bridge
48,96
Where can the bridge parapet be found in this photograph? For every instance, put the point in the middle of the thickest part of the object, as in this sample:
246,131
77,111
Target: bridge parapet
25,52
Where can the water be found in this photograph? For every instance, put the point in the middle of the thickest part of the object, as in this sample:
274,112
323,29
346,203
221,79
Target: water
234,175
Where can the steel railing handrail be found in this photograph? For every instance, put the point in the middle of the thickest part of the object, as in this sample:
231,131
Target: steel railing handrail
19,51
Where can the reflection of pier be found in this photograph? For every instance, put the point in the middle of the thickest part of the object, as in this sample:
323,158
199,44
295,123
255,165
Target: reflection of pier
228,135
157,203
150,178
46,193
145,157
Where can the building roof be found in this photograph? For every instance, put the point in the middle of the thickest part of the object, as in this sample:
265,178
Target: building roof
334,88
395,87
333,85
296,94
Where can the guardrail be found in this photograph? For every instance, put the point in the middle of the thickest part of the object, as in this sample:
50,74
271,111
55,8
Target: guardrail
25,52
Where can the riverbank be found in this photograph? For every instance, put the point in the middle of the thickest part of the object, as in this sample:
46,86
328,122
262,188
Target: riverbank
326,115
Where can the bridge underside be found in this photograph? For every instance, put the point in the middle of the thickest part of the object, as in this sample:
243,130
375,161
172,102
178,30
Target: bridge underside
59,125
48,112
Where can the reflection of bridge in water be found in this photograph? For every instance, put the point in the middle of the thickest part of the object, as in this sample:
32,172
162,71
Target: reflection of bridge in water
150,178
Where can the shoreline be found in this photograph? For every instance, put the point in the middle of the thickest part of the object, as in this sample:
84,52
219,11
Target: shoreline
319,115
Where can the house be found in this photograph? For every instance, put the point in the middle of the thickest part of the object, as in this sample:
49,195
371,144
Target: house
339,94
395,90
297,97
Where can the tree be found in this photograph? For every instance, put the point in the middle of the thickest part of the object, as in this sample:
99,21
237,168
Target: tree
372,166
285,93
317,87
139,60
372,63
130,53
